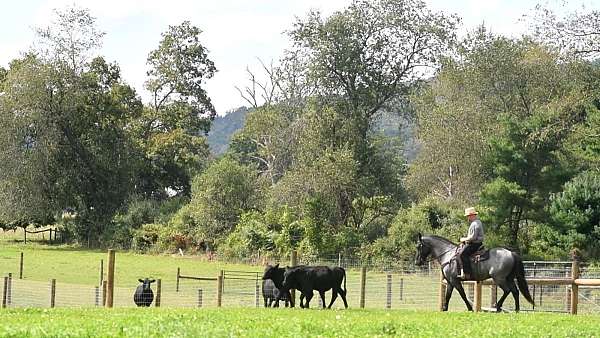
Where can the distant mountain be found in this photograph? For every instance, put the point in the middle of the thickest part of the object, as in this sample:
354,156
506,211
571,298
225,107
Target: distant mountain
388,123
394,124
223,128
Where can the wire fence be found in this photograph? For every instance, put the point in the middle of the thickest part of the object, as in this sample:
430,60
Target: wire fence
401,286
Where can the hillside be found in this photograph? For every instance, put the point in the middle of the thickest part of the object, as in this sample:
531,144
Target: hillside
224,127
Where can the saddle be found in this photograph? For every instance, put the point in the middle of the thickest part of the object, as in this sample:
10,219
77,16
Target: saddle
480,255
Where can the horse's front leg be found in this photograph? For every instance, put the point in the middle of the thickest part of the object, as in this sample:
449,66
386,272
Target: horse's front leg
461,291
449,289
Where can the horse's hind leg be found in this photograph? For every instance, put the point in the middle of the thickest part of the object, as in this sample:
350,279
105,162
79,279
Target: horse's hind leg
503,285
515,293
462,294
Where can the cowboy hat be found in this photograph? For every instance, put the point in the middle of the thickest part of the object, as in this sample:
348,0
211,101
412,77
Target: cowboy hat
470,211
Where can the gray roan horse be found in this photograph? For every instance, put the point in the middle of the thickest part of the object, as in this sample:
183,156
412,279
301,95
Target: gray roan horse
503,266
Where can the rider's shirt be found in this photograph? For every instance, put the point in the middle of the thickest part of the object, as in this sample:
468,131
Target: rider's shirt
475,232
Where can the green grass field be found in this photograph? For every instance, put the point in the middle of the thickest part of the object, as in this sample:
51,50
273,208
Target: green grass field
287,323
77,274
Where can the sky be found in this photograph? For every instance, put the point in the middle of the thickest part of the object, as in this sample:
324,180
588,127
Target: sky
237,33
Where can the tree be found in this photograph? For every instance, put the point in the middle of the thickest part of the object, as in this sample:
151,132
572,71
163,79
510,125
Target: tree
576,32
365,58
71,38
172,130
371,53
220,195
576,213
67,145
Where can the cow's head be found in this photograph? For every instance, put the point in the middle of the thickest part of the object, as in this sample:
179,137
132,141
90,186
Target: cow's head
146,283
290,277
270,271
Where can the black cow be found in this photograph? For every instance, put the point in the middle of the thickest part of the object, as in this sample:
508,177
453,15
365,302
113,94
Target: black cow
143,295
320,278
271,292
275,274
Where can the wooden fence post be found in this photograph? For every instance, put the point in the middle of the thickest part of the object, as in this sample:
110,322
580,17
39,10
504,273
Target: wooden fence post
257,294
293,262
4,292
177,283
52,292
110,287
199,298
401,287
101,271
21,267
574,287
104,288
567,295
363,282
477,296
158,292
219,289
442,292
9,292
388,303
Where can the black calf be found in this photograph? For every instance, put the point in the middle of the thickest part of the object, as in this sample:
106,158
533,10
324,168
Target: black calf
143,295
271,292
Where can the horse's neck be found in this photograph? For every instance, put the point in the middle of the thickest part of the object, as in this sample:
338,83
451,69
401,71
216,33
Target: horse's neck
442,251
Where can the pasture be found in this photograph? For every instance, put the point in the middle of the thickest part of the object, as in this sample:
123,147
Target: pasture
77,274
287,323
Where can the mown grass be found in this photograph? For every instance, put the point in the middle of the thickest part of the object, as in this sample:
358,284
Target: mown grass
154,322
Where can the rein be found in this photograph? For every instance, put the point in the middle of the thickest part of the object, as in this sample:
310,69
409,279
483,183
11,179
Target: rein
440,255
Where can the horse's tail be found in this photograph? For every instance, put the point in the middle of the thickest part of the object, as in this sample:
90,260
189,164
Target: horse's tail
519,271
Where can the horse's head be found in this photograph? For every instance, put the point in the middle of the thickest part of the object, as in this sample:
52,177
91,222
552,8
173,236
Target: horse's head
423,251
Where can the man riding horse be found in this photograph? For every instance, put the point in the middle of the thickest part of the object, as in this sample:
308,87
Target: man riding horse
472,242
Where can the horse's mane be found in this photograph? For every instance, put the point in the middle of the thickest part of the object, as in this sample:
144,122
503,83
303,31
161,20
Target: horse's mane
441,239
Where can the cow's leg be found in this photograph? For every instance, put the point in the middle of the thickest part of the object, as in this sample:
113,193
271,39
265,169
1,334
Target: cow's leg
266,301
334,294
343,295
289,296
276,303
309,296
322,294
